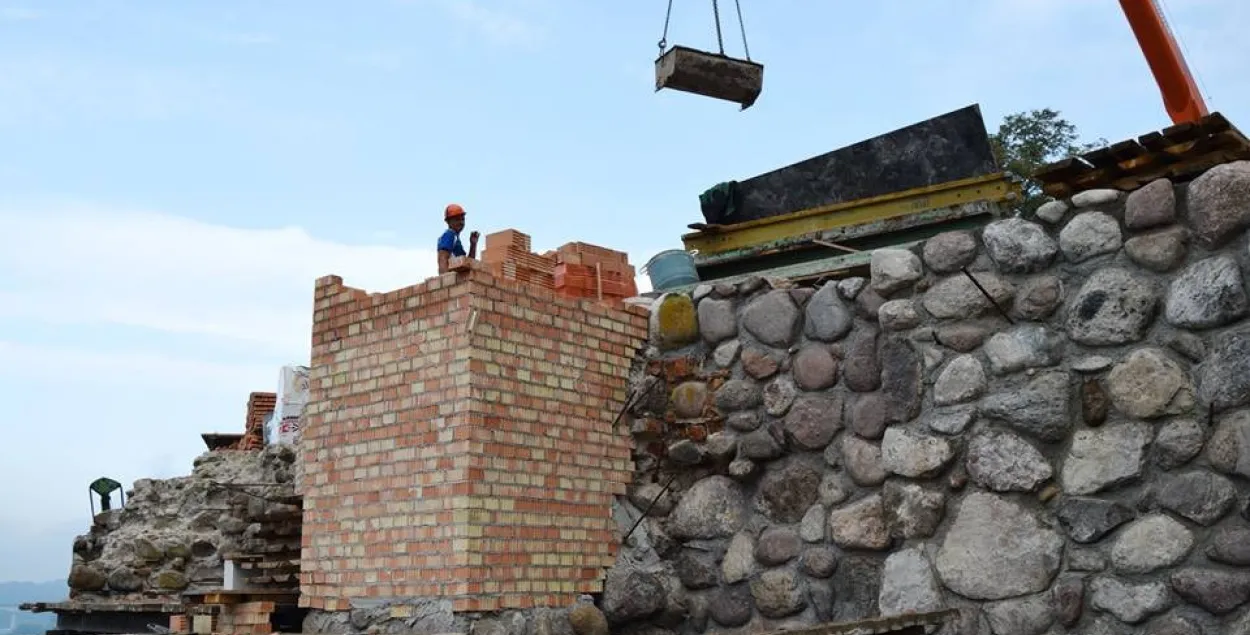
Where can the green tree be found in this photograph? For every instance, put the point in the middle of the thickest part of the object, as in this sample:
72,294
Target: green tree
1026,141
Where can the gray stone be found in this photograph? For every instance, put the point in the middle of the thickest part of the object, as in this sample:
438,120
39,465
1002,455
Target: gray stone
733,606
742,468
912,510
1023,347
1130,603
1019,246
760,363
1229,447
787,491
1189,345
868,416
1038,297
1003,462
1089,559
1151,205
1148,384
743,421
957,296
819,562
834,489
863,461
1039,408
630,594
1178,442
763,444
685,452
962,380
861,367
1230,545
849,288
902,379
1087,520
1207,294
779,395
772,318
899,315
697,569
995,549
779,593
738,394
812,527
893,270
1218,202
1200,496
1160,251
124,580
1089,235
1052,211
1106,457
1179,625
739,563
1095,197
727,353
856,586
908,584
813,420
1091,364
701,291
688,399
1224,379
914,454
777,546
951,421
962,337
822,601
1113,307
1151,543
714,507
717,321
860,525
1219,592
1028,615
827,316
1069,597
814,368
950,251
1095,404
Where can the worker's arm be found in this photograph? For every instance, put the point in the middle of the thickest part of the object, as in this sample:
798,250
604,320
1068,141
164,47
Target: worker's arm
473,245
444,261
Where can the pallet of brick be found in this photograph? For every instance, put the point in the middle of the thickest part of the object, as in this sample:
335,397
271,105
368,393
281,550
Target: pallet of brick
509,238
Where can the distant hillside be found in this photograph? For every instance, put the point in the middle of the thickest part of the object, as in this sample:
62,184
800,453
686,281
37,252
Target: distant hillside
14,593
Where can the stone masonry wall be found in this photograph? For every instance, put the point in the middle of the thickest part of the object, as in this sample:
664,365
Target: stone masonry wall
1076,462
460,454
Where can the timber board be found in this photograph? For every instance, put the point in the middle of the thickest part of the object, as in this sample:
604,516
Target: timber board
1179,153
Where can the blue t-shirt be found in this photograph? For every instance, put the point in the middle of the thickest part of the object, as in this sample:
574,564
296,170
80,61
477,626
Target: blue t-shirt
450,241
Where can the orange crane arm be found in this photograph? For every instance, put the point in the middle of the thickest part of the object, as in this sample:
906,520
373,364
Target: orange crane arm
1180,94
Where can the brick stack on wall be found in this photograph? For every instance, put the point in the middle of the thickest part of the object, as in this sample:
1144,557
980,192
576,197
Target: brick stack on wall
260,405
460,444
575,270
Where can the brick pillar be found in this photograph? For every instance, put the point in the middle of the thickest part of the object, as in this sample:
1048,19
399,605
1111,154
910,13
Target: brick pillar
459,443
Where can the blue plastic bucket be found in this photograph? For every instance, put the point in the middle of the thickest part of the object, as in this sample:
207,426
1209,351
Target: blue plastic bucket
671,269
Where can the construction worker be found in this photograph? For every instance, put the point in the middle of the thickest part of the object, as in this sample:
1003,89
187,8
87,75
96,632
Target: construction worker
449,243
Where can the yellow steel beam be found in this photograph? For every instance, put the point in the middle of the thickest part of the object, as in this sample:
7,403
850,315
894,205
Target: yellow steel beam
996,187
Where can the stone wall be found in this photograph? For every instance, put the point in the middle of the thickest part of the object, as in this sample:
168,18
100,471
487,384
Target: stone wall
172,533
1045,422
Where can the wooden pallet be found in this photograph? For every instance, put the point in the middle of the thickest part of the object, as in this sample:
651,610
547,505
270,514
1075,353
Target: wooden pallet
1179,153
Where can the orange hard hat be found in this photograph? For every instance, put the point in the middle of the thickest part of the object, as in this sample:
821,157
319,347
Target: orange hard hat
453,211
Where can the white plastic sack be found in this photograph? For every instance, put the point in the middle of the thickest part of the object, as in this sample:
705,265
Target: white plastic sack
287,420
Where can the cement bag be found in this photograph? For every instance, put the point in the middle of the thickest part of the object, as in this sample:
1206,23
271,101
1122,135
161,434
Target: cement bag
288,415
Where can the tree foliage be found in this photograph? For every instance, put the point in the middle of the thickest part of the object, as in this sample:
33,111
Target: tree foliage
1026,141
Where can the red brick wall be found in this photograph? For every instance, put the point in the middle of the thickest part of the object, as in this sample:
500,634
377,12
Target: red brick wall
459,443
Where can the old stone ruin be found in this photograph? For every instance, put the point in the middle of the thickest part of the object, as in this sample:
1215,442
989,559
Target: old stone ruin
1043,424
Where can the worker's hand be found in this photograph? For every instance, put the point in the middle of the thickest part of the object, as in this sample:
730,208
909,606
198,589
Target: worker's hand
473,237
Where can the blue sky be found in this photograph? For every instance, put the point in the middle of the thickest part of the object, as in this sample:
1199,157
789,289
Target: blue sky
174,175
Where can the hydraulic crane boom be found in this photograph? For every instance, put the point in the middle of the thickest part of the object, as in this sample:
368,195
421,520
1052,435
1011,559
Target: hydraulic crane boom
1180,94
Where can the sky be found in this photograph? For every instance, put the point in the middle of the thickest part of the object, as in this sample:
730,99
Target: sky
175,175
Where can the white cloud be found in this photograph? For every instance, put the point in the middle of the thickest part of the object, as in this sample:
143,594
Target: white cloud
87,264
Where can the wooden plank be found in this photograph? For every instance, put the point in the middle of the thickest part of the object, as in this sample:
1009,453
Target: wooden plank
1061,170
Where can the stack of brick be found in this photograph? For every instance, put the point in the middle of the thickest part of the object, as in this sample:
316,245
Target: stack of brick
247,618
575,270
260,405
